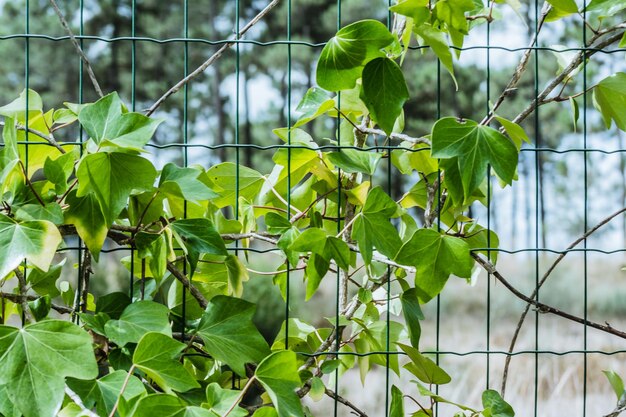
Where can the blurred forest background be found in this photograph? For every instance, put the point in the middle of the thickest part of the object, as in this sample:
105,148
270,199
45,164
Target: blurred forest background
137,48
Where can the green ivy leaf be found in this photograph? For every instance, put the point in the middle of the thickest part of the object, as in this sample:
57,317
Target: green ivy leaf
35,360
198,236
372,228
616,382
452,12
316,240
396,409
111,177
17,108
37,241
384,92
184,183
474,146
435,256
87,216
315,103
416,9
438,43
44,283
424,368
343,57
609,97
606,7
515,131
58,170
278,373
157,355
107,123
220,400
225,181
352,161
230,335
164,405
316,269
495,406
412,315
138,319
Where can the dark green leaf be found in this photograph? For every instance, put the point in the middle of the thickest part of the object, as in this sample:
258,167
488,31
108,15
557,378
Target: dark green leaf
343,57
316,269
412,315
278,373
609,96
474,146
138,319
276,223
113,304
37,241
435,256
372,228
35,360
384,92
199,236
157,355
229,333
44,283
495,406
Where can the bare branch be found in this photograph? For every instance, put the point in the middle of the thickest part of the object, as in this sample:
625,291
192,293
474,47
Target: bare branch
217,55
18,298
195,292
48,138
545,276
345,402
23,289
544,308
79,50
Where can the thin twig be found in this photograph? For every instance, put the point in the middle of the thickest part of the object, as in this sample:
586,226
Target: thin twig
84,276
217,55
126,380
48,138
543,279
23,289
345,402
18,298
544,308
574,63
76,398
397,136
79,50
240,396
521,66
195,292
30,184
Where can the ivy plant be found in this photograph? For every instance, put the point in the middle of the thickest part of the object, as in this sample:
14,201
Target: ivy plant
184,342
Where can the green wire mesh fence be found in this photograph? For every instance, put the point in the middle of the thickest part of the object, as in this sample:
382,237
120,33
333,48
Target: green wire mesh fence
568,181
